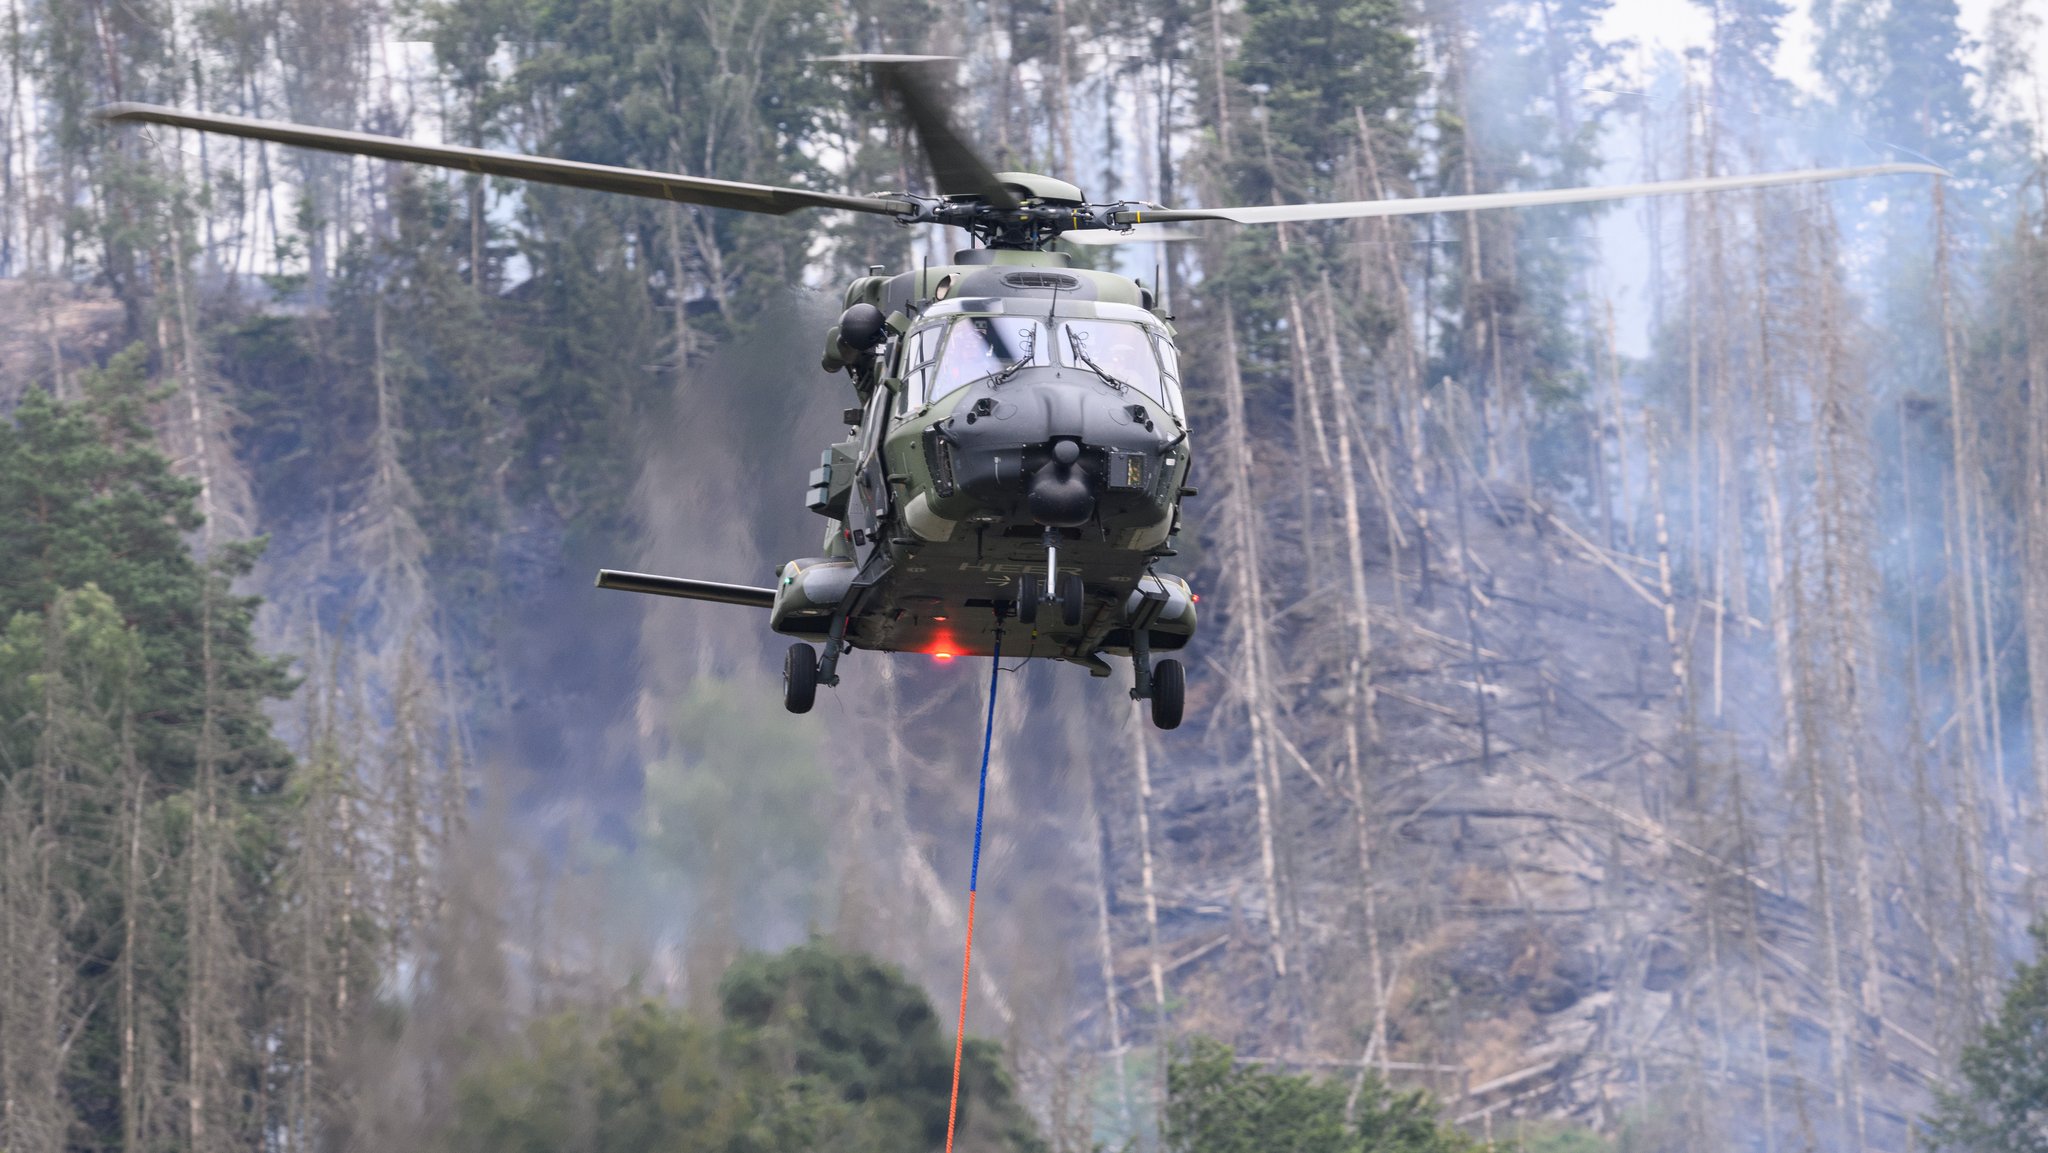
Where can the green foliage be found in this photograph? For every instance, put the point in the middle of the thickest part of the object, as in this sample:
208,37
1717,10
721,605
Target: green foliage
86,499
1746,35
595,345
648,1080
1520,323
1556,1137
737,813
1324,64
2002,1100
521,411
1922,101
142,794
845,1025
82,654
455,382
663,84
818,1049
1216,1105
1309,71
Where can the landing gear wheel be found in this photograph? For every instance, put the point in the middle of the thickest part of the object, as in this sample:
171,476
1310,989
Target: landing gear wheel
1027,600
1169,693
800,679
1073,598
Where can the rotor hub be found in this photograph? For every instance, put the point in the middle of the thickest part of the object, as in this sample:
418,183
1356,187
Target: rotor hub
1031,226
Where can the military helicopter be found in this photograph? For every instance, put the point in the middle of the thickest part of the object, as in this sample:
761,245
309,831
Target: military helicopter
1020,447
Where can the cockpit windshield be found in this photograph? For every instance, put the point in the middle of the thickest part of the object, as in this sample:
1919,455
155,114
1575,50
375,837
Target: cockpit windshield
1119,352
981,346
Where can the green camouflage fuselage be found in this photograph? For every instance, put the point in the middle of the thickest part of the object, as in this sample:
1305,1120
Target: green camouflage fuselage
954,478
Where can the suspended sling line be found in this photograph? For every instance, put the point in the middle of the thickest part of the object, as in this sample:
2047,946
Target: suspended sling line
988,735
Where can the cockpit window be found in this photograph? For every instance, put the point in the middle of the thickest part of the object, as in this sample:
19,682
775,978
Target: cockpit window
1119,351
1169,360
982,346
920,361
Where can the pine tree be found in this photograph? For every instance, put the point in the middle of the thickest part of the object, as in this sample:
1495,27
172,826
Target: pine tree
140,785
1996,1105
85,497
1216,1105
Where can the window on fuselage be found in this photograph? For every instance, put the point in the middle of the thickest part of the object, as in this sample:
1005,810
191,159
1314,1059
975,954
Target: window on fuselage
1119,350
1169,362
920,360
982,346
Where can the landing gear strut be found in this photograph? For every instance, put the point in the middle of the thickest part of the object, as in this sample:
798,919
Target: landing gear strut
835,645
1068,590
1052,559
803,670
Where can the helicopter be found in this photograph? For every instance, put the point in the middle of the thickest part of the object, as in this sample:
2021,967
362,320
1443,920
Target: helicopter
1020,446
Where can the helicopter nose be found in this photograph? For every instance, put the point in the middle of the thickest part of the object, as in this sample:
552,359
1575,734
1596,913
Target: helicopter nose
1060,494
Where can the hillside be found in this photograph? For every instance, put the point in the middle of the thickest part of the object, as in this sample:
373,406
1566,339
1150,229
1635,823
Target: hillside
1616,701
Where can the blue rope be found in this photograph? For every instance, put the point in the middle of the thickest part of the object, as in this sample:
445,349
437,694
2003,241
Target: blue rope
988,737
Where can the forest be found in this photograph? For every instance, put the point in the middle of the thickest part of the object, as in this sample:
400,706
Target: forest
1621,718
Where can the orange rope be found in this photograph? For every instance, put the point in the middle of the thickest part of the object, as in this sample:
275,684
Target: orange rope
960,1034
988,736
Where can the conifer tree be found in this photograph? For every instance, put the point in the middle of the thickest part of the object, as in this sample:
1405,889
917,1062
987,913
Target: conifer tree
139,782
1995,1107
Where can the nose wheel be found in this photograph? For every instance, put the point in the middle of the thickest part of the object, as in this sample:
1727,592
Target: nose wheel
1033,591
1072,597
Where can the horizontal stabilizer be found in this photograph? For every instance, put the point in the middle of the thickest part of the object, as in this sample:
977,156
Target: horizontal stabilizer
668,586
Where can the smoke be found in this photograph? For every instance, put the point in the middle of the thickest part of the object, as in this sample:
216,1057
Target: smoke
1696,773
892,753
720,494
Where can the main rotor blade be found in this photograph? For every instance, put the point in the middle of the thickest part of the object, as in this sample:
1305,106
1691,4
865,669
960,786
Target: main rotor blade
1421,205
956,166
764,198
1136,234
